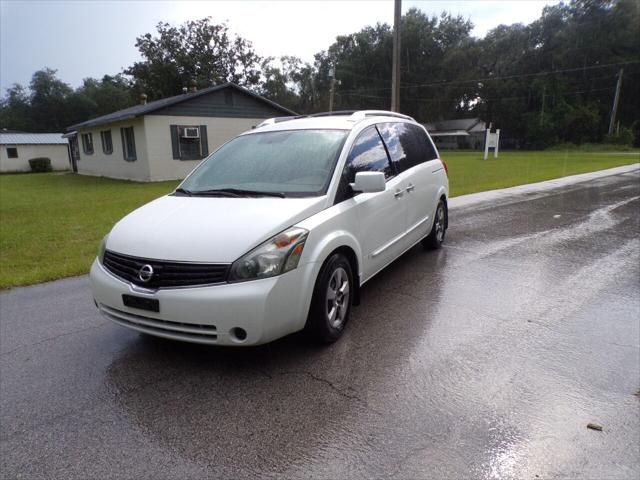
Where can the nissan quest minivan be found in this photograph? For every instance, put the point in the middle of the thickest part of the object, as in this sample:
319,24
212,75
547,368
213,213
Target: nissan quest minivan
276,231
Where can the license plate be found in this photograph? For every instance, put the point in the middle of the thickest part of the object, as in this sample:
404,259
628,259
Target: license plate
142,303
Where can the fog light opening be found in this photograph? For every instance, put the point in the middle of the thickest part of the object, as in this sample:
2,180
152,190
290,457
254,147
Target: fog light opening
238,334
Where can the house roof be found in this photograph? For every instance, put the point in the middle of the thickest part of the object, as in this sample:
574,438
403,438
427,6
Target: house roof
32,139
140,110
449,133
466,124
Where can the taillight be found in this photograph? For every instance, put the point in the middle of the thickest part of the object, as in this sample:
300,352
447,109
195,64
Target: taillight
446,169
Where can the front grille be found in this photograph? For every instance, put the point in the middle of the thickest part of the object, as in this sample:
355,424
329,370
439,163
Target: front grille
166,274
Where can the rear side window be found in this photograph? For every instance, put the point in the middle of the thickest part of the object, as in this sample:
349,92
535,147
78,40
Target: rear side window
408,145
367,155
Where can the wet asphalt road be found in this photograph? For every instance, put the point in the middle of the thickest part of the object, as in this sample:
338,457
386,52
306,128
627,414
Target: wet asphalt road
486,359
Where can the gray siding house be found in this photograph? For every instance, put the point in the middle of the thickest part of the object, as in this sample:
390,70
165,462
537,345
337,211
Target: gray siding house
459,133
167,138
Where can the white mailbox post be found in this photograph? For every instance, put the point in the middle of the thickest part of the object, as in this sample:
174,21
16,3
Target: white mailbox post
492,140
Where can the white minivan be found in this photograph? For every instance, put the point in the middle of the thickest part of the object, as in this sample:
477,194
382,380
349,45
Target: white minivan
276,231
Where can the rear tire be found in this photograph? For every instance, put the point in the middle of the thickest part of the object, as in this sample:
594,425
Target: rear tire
434,240
331,302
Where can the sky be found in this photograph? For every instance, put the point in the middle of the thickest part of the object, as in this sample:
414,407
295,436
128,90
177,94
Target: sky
91,38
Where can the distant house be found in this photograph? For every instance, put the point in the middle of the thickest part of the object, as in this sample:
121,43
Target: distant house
16,149
460,133
167,138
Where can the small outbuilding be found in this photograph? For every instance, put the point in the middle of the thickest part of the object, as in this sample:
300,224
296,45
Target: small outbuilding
166,139
17,148
458,133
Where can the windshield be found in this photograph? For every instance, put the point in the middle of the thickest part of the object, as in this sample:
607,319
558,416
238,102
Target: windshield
289,163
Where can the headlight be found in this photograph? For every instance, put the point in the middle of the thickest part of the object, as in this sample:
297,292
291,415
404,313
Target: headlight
274,257
103,247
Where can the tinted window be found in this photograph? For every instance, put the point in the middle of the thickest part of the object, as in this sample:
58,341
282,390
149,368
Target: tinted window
427,146
367,155
408,144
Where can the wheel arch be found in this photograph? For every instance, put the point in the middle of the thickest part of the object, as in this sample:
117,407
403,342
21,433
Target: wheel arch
442,195
353,262
340,241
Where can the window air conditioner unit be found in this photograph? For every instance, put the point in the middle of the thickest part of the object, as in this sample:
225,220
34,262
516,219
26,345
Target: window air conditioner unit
191,132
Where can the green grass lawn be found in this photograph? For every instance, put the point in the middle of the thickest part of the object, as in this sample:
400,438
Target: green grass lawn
469,173
51,223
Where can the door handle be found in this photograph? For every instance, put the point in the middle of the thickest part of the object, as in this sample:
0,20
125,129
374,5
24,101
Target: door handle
398,193
411,187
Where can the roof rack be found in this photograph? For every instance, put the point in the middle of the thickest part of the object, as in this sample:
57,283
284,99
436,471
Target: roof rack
332,114
271,121
361,114
355,115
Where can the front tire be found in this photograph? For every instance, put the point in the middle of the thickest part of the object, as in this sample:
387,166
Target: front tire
332,299
434,240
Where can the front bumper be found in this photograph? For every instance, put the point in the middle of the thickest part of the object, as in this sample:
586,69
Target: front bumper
265,309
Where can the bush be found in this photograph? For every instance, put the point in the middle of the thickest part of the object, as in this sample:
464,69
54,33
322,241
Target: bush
40,164
635,128
623,137
589,147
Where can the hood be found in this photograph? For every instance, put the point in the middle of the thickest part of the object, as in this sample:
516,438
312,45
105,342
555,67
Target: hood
206,229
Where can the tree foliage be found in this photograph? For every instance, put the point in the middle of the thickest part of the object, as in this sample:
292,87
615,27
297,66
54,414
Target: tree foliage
547,82
50,105
197,51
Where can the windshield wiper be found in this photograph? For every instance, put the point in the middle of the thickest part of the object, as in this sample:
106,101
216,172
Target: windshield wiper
183,191
237,192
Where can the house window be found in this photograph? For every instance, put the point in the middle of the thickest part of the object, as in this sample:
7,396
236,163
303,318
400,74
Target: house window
189,142
87,143
107,142
128,144
12,152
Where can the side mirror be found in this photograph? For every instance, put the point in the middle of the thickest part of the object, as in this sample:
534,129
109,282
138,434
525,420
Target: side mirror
369,182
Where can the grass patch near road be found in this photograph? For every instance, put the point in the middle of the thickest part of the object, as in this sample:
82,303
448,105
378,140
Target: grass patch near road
469,173
51,223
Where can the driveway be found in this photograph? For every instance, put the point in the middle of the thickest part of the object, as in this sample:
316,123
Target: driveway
485,359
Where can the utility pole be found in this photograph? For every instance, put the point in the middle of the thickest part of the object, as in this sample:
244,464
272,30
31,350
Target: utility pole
616,98
395,72
332,75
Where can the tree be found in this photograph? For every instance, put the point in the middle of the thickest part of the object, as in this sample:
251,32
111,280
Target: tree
197,51
48,99
435,50
279,82
15,109
550,81
547,82
109,94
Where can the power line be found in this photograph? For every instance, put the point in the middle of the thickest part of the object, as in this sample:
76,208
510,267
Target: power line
504,77
590,79
440,100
